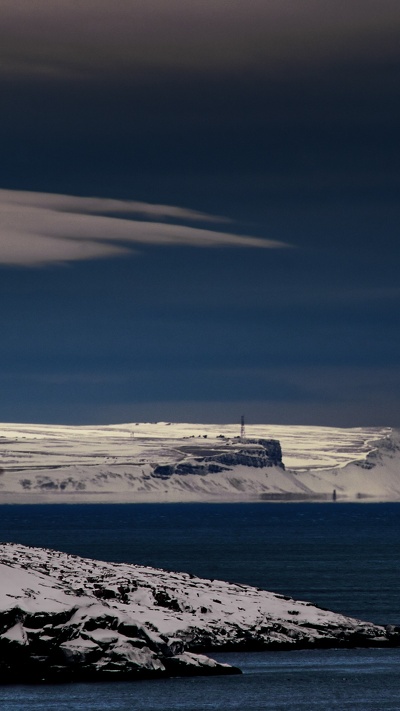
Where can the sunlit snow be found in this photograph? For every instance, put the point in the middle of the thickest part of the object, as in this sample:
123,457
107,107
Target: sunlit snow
117,462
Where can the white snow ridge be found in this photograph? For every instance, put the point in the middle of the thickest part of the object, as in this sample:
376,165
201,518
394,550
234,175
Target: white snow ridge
68,618
162,462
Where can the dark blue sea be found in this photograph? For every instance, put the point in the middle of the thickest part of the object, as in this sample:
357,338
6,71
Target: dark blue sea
344,557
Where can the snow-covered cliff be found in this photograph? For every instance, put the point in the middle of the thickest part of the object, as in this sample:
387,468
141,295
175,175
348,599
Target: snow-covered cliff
186,462
64,617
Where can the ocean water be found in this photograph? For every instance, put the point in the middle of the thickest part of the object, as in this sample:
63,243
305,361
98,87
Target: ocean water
341,556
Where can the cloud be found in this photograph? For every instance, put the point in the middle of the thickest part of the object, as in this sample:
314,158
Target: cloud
37,229
100,206
63,37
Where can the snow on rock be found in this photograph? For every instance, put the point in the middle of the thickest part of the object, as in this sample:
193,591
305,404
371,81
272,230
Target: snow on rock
142,462
64,617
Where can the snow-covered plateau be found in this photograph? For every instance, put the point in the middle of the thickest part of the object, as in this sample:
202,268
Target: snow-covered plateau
68,618
164,462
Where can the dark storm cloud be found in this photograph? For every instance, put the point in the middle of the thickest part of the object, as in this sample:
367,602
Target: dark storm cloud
63,37
282,115
300,394
283,94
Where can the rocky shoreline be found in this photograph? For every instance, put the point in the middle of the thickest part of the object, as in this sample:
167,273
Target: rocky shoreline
65,618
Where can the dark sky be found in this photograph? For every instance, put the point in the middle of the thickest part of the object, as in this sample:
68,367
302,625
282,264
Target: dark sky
282,117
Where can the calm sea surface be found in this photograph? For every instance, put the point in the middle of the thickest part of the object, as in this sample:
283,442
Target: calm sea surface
341,556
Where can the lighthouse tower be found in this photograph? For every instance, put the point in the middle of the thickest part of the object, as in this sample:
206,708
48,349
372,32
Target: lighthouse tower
242,431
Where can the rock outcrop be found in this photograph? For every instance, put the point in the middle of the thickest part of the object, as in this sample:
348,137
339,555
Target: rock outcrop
258,453
69,618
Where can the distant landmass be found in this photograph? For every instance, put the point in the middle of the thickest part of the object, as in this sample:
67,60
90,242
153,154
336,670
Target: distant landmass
166,462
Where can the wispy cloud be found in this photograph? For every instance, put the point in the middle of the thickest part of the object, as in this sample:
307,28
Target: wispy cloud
101,206
37,229
47,37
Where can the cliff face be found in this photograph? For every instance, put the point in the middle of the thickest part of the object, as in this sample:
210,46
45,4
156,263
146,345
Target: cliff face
261,453
258,453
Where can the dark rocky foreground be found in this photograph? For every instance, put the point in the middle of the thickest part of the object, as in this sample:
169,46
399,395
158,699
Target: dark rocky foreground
64,618
72,647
